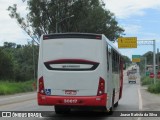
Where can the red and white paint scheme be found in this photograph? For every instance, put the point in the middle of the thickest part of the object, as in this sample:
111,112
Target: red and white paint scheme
79,70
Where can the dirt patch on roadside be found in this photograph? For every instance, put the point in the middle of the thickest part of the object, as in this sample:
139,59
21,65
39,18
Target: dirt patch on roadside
150,101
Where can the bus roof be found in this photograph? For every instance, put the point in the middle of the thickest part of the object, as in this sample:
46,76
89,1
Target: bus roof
72,35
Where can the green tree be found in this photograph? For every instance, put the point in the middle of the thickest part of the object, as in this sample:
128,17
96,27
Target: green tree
17,62
127,59
9,45
25,63
89,16
149,57
6,65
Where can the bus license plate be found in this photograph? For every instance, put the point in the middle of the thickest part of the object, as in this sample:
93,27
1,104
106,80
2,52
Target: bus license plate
70,101
70,92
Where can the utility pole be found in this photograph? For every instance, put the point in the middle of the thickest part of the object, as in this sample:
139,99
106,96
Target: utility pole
145,64
154,61
158,58
34,71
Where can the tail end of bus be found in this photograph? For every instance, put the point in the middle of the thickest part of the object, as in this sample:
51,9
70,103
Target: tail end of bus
41,91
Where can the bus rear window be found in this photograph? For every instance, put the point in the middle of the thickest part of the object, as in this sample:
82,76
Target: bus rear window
62,35
71,65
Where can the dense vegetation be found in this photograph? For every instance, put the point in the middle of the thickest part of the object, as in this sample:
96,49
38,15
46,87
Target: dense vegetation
18,68
18,62
149,82
154,88
146,80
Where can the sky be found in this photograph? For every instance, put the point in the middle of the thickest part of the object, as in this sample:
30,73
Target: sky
10,30
139,18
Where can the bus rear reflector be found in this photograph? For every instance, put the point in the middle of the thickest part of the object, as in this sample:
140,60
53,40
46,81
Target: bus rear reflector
41,86
101,87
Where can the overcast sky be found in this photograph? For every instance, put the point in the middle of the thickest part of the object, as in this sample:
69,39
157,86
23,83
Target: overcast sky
10,30
139,18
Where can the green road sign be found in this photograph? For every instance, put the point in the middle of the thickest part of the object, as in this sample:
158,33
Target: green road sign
147,73
136,58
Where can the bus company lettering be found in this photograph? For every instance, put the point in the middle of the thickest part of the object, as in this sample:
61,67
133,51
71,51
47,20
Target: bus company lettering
71,66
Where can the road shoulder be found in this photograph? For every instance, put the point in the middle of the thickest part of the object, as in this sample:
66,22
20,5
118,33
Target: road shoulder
10,99
151,102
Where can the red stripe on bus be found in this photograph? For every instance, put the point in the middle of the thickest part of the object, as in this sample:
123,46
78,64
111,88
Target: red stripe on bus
71,61
77,100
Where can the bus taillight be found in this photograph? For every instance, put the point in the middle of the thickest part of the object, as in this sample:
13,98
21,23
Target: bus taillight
101,86
41,86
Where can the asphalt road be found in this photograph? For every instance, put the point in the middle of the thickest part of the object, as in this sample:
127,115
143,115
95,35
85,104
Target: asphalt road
131,101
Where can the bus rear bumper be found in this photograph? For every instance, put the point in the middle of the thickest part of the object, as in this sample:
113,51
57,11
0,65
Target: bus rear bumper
72,100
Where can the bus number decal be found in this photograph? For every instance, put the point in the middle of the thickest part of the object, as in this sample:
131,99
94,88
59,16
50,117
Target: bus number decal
70,101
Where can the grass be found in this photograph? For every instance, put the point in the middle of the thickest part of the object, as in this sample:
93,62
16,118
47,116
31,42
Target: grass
146,80
7,87
154,88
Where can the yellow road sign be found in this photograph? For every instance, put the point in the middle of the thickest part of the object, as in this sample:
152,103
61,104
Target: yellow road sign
127,42
136,59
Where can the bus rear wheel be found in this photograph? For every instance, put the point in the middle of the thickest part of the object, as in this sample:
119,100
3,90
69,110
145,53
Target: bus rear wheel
112,107
62,110
116,104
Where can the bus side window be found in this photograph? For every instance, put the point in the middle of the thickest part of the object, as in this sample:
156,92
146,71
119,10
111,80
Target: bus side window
115,62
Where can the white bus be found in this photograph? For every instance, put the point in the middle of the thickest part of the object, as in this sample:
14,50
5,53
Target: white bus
77,70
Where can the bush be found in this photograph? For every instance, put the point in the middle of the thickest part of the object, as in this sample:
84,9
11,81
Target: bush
146,80
7,87
154,88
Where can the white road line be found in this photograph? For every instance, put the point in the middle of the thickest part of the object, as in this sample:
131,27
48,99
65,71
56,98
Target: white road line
140,102
140,99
